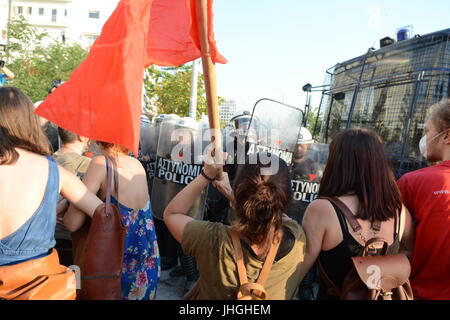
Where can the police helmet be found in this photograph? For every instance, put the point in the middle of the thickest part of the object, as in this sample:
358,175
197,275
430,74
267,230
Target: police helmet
240,123
305,137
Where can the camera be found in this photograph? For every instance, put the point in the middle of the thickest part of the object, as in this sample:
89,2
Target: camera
2,63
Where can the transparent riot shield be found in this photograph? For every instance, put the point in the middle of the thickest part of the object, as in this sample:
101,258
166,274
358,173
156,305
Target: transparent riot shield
307,169
178,162
308,165
274,127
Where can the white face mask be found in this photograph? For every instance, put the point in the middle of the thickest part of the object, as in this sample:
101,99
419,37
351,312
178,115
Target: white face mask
423,145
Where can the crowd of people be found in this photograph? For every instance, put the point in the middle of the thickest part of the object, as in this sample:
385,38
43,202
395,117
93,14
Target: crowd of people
47,193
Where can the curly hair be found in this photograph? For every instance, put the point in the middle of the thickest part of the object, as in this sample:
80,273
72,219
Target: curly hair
261,201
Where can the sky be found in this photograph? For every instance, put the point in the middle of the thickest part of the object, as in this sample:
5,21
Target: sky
274,47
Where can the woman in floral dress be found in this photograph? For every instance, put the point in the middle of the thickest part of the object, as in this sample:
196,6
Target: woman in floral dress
141,264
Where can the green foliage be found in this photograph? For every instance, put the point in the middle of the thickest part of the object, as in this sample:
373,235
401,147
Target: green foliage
171,89
23,39
36,66
311,122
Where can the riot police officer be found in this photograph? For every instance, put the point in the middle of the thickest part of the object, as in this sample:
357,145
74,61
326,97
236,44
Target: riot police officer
167,244
187,147
235,141
305,175
145,156
178,163
308,164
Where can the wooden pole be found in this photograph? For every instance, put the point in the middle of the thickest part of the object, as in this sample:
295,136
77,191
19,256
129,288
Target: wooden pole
209,73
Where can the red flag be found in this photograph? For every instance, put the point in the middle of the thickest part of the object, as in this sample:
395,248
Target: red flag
102,98
173,34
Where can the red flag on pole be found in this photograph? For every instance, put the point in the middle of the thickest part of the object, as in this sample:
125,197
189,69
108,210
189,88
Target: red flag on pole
173,33
102,98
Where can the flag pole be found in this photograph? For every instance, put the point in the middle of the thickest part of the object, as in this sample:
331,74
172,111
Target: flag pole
194,90
209,73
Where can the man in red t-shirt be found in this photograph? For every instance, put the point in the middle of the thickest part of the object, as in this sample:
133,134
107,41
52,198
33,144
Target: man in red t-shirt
426,193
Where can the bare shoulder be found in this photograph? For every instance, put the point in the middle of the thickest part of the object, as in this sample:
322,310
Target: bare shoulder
321,207
96,170
32,158
319,211
135,164
98,160
96,167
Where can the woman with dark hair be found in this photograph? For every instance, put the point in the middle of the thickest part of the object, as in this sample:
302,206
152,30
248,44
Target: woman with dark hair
260,197
358,174
141,262
29,186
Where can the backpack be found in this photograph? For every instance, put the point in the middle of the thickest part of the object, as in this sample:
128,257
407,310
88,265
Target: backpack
99,246
248,290
374,275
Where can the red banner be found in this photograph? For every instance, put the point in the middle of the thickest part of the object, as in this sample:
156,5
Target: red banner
102,98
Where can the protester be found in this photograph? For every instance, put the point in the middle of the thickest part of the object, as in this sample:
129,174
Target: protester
141,264
426,193
260,202
54,85
6,75
50,129
358,174
70,157
30,184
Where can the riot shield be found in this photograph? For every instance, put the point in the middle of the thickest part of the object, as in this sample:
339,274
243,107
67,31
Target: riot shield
178,162
307,169
147,153
274,127
309,162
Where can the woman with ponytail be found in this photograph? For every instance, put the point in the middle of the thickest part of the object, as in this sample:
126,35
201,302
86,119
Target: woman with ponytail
259,197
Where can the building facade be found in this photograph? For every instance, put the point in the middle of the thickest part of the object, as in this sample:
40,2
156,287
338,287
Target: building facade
229,108
77,21
4,11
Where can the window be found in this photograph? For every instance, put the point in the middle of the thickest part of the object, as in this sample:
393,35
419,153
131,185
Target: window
94,14
19,10
30,10
41,11
91,39
54,14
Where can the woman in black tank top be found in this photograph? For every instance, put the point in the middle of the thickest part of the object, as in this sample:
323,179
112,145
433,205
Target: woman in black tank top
356,165
337,262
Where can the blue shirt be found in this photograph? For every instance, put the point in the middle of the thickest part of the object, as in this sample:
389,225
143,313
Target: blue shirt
3,79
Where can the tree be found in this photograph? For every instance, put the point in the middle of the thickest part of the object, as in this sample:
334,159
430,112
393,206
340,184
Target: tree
170,89
311,118
35,66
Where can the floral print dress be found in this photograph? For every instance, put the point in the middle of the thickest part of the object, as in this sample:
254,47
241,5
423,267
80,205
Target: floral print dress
141,264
